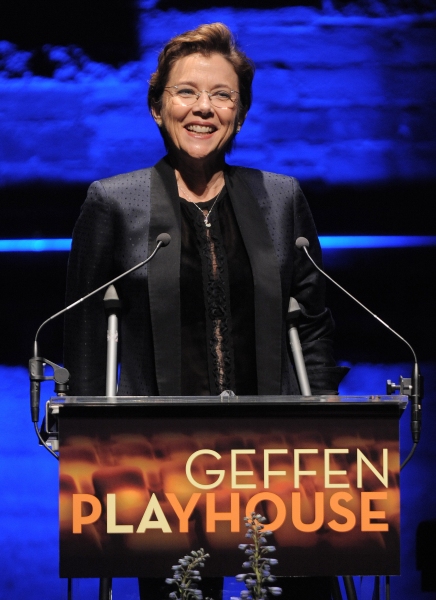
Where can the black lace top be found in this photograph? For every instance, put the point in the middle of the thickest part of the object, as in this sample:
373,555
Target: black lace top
217,302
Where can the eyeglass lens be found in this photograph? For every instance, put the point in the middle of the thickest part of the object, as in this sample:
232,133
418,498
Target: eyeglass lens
188,96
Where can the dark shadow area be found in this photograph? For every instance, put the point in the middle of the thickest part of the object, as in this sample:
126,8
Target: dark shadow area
40,209
384,208
33,289
390,7
192,5
367,7
50,209
106,31
394,283
426,554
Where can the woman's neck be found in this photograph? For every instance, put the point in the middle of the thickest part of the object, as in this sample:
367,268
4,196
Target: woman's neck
197,184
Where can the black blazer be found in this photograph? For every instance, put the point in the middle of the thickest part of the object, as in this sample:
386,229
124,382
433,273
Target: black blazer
117,228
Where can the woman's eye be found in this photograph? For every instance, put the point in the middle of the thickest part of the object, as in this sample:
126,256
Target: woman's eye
186,92
222,95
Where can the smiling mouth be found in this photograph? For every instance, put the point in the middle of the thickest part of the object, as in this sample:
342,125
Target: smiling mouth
200,129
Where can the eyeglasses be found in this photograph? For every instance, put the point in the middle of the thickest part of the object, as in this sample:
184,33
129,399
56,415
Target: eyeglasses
186,96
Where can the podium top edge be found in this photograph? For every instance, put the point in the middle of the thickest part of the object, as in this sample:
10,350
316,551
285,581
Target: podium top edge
371,400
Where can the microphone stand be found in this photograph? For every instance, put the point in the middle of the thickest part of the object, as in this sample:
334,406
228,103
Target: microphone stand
413,386
112,306
61,375
292,319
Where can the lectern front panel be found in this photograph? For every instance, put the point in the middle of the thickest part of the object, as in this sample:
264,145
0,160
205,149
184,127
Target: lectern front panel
141,487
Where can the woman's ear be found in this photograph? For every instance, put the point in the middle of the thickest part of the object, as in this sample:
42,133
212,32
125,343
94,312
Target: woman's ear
239,125
240,122
155,113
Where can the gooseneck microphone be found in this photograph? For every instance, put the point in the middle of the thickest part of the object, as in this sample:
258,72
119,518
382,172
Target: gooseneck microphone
412,388
61,375
163,239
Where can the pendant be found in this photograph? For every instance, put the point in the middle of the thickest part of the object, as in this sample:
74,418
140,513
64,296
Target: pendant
207,224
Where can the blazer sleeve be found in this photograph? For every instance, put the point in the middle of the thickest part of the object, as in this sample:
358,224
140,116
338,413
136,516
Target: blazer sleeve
90,266
316,326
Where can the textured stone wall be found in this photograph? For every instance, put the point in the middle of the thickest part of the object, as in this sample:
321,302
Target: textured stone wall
339,98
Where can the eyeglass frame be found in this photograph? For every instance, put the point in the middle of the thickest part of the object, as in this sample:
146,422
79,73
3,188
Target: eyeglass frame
198,94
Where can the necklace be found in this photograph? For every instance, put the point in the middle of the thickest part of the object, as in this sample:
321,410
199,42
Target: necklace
206,217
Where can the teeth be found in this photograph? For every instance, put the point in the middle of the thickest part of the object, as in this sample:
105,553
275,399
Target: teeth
199,129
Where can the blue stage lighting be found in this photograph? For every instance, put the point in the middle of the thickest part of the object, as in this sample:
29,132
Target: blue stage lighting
328,242
36,245
339,242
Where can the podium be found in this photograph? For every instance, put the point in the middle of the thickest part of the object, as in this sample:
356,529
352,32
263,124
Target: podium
145,480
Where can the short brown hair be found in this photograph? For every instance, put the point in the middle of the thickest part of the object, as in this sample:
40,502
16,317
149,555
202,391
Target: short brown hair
214,38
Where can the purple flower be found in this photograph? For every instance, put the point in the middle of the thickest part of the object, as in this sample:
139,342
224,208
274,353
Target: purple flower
275,591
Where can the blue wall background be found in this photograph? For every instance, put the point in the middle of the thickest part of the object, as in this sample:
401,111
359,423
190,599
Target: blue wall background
344,99
339,98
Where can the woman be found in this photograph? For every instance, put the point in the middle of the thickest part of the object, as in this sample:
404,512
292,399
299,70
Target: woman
208,314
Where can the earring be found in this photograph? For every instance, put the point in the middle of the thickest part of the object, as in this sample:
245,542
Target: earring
238,129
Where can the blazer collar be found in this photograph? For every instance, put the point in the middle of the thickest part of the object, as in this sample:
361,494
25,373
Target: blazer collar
164,279
267,282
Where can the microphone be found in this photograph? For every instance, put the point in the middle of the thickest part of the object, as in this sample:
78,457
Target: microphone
411,387
61,375
163,239
302,242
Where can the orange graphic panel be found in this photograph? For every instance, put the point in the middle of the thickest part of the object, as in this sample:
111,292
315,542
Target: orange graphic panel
137,494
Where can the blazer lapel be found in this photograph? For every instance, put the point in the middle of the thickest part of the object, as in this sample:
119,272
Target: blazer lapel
267,283
164,279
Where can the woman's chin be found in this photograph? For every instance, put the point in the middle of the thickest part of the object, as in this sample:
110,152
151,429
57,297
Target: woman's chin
201,152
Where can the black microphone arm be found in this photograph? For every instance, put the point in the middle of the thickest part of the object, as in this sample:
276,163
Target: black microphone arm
413,387
61,375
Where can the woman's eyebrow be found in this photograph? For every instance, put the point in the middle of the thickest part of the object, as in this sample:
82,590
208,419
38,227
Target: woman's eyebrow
192,84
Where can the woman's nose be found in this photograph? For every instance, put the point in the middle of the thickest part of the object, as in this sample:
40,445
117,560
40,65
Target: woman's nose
203,101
